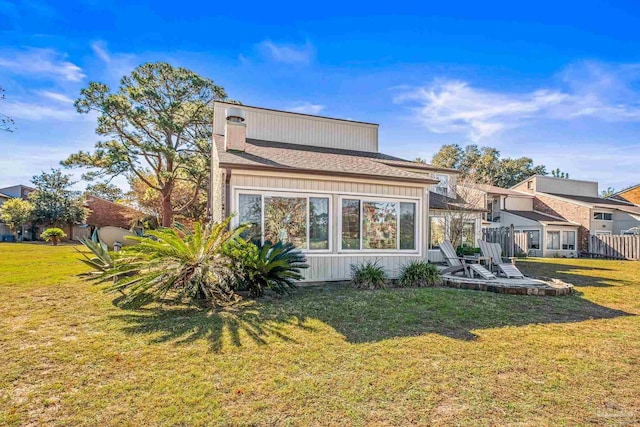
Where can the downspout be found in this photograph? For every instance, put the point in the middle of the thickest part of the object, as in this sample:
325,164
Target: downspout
227,192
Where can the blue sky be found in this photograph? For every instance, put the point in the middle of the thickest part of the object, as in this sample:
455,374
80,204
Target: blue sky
555,81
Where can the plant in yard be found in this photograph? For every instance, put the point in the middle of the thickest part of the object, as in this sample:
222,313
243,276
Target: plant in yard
260,266
177,263
102,260
368,275
53,235
418,274
15,213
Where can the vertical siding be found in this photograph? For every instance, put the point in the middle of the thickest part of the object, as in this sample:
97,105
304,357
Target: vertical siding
301,129
336,266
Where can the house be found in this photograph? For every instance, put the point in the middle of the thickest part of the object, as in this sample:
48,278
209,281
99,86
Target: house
548,235
630,195
102,213
321,184
578,203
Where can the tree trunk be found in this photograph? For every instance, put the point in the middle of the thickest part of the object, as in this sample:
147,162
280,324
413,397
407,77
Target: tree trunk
167,211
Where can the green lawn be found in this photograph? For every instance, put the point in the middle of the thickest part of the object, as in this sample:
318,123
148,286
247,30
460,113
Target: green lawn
326,356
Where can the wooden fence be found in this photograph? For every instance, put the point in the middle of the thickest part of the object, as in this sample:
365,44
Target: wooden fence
512,242
616,247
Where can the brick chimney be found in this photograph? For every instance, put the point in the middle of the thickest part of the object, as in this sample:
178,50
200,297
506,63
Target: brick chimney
235,130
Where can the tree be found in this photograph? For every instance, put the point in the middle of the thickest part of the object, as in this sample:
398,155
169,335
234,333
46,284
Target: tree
557,173
463,209
610,191
485,165
6,122
160,124
16,213
106,191
54,202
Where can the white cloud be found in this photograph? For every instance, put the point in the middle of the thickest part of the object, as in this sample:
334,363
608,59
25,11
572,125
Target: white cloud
41,63
100,49
38,111
587,89
55,96
306,108
288,53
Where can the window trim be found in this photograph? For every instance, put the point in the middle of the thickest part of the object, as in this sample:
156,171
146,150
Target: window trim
531,230
559,248
373,199
447,187
299,195
603,214
563,243
446,231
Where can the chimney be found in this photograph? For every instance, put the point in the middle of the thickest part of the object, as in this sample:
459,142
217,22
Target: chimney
235,130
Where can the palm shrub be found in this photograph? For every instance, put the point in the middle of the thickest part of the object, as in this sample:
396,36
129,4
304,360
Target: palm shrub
187,266
418,274
259,266
368,275
53,235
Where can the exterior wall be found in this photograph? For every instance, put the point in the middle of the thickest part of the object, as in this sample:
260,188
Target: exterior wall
566,186
623,221
631,195
602,225
514,203
302,129
570,211
335,265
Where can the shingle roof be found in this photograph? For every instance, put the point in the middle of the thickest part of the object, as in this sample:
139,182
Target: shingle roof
5,196
319,160
542,217
602,203
439,201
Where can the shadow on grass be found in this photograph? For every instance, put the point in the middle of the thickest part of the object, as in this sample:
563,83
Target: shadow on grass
361,316
596,275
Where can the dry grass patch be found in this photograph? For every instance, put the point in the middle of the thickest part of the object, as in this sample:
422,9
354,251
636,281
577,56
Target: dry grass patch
325,356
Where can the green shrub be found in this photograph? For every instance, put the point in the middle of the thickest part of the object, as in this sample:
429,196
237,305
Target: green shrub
259,266
418,274
174,263
102,259
467,251
53,235
368,275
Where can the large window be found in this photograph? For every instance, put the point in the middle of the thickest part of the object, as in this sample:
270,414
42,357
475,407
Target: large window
569,240
534,239
553,240
469,234
300,220
606,216
378,225
437,231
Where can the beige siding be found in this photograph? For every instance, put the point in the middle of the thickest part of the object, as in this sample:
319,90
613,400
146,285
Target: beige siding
518,203
336,264
302,129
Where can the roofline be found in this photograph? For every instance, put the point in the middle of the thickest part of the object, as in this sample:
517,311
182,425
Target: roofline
425,166
425,181
593,205
633,187
552,177
298,114
556,219
566,199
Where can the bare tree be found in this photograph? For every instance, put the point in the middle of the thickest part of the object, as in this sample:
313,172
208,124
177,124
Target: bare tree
465,207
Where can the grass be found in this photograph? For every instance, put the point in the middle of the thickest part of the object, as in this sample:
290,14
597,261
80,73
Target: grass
325,356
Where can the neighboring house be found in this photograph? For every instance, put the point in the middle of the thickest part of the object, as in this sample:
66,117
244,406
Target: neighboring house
630,195
104,213
321,184
578,202
14,192
548,235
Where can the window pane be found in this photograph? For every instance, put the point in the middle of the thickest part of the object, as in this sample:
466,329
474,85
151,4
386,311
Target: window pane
534,239
350,224
285,220
318,223
250,211
379,225
407,225
553,240
437,230
569,240
469,234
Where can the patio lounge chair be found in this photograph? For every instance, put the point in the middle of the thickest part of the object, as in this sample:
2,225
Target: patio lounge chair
457,264
494,251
